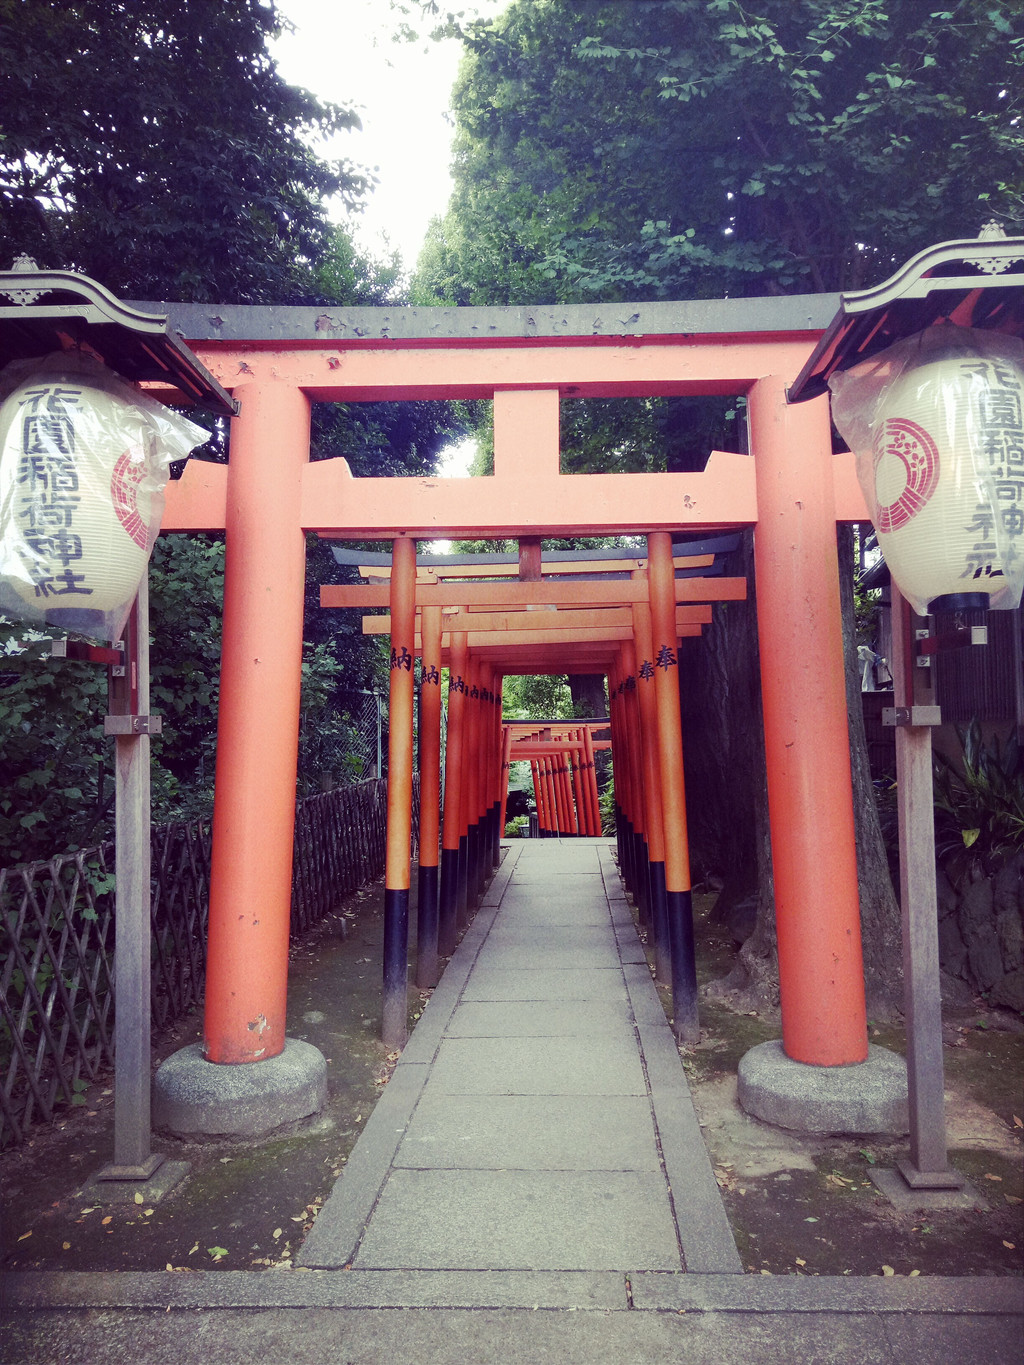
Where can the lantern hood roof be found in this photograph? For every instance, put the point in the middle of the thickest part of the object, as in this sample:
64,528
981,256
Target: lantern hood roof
975,283
42,311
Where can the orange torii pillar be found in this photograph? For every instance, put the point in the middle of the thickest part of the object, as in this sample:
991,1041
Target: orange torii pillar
397,869
430,796
257,728
254,812
641,852
540,797
810,801
576,773
451,827
678,897
643,636
474,785
590,782
506,768
496,750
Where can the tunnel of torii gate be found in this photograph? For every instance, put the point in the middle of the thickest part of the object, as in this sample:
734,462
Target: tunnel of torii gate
598,615
790,488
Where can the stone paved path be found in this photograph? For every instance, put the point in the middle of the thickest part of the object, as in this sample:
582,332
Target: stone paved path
538,1126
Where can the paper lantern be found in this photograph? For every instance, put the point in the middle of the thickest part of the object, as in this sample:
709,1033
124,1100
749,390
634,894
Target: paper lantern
944,471
82,470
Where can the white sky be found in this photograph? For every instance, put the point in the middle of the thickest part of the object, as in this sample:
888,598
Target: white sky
342,50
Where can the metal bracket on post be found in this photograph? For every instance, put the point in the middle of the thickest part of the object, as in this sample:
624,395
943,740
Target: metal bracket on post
132,725
894,717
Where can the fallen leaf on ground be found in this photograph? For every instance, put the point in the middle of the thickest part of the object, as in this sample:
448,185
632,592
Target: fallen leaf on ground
109,1219
914,1272
67,1246
138,1197
800,1261
888,1270
1013,1199
24,1235
1010,1246
990,1176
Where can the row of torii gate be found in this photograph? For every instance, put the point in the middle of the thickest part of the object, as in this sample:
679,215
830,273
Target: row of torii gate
626,628
790,488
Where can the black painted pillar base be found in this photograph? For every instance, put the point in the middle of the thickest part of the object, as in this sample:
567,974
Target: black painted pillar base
659,926
427,907
448,900
395,1011
497,833
642,878
685,1020
462,899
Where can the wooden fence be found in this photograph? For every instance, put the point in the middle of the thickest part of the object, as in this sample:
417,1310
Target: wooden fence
57,941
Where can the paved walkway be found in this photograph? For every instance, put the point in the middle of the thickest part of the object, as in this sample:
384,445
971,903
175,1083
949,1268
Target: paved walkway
538,1124
536,1148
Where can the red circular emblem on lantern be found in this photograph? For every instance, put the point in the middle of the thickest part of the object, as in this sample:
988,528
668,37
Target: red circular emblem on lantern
124,489
910,445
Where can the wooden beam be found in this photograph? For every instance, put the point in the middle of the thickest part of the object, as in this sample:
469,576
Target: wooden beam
515,622
619,592
427,573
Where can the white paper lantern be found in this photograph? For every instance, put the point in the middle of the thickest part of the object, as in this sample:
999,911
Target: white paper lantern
937,422
83,463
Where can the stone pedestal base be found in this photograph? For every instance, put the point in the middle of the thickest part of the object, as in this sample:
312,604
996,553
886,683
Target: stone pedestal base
200,1100
868,1097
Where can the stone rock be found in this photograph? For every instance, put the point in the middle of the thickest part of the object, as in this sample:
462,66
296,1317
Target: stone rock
945,895
975,907
1009,991
1010,933
984,956
952,949
1008,887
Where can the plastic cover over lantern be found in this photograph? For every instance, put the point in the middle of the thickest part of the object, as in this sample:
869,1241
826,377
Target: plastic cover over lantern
84,458
937,426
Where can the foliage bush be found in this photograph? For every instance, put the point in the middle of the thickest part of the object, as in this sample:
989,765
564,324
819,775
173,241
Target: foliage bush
979,804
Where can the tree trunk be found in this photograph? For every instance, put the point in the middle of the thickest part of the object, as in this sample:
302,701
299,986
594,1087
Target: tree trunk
879,911
729,807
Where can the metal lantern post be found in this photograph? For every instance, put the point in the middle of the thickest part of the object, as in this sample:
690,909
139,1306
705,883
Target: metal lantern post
971,285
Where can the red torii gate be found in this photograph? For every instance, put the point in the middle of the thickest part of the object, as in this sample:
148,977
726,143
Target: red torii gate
791,489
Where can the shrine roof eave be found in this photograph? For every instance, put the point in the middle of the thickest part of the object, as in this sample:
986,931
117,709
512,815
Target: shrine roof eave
587,324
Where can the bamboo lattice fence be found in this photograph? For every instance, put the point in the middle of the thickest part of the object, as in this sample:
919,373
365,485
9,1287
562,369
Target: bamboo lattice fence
57,941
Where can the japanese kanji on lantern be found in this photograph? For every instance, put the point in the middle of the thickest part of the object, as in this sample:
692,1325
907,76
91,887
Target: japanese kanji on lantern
937,425
84,458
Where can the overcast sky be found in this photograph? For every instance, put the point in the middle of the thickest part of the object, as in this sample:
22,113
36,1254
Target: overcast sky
343,50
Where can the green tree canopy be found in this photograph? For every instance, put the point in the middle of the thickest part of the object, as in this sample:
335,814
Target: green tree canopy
701,148
153,145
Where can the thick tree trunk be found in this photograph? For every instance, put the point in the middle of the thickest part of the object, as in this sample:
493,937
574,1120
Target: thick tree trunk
879,911
727,798
728,802
587,690
589,701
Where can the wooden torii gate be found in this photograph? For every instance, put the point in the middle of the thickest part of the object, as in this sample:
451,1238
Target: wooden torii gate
278,362
491,628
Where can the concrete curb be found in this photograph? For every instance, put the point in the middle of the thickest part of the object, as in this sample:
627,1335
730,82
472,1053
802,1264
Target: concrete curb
648,1291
